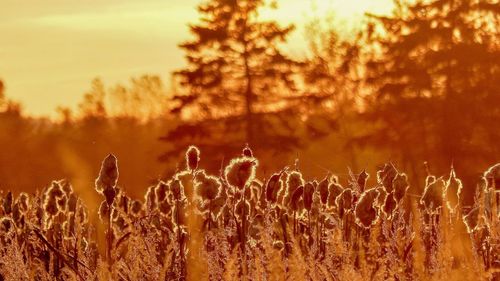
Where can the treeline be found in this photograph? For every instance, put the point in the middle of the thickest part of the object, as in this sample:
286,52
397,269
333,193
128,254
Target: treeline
418,85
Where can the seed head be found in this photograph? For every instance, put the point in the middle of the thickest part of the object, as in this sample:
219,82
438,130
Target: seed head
104,211
334,190
150,198
273,186
192,158
453,191
308,195
241,171
386,175
366,210
492,177
293,181
108,177
7,203
161,191
432,198
345,201
296,198
400,184
323,190
54,199
362,178
177,189
247,152
207,187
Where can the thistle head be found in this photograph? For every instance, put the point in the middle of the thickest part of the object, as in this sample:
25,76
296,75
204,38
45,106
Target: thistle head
308,195
247,152
192,158
362,178
492,177
161,191
452,191
104,211
8,202
400,184
295,201
323,190
54,199
366,210
345,201
386,175
207,187
177,189
334,190
105,184
240,172
432,198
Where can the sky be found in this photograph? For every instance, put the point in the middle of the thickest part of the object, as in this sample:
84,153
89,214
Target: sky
51,50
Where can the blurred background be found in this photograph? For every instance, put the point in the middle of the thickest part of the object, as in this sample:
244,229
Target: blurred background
339,85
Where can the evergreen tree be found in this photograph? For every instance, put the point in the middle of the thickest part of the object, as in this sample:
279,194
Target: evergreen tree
236,86
435,67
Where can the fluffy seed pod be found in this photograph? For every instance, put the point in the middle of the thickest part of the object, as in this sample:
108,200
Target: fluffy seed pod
108,175
386,176
104,211
453,191
177,189
345,201
207,187
492,177
308,195
135,207
240,171
295,204
334,190
8,202
247,152
273,186
400,184
362,178
293,181
192,158
366,210
161,191
471,220
390,205
23,202
7,228
53,199
150,198
432,198
323,190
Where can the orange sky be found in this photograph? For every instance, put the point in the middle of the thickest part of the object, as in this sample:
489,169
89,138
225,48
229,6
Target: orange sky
51,50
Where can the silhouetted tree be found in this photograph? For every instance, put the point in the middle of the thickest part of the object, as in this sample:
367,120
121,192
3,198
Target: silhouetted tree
237,77
333,84
435,67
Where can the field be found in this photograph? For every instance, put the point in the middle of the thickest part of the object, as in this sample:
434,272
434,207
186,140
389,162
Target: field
234,226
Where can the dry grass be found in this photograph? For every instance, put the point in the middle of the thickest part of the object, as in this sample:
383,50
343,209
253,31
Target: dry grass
197,226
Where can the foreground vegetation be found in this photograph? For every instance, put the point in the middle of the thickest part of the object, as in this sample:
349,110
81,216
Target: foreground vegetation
234,226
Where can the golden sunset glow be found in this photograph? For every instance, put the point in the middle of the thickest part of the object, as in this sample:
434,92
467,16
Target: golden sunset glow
51,50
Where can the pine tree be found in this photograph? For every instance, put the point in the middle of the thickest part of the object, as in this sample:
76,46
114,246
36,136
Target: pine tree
435,67
237,82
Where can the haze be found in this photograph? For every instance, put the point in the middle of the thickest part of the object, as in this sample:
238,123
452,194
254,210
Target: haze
51,50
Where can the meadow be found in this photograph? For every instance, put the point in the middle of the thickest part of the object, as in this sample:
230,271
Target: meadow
235,226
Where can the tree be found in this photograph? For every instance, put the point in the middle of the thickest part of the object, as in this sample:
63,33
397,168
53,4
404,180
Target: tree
235,86
435,67
332,75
